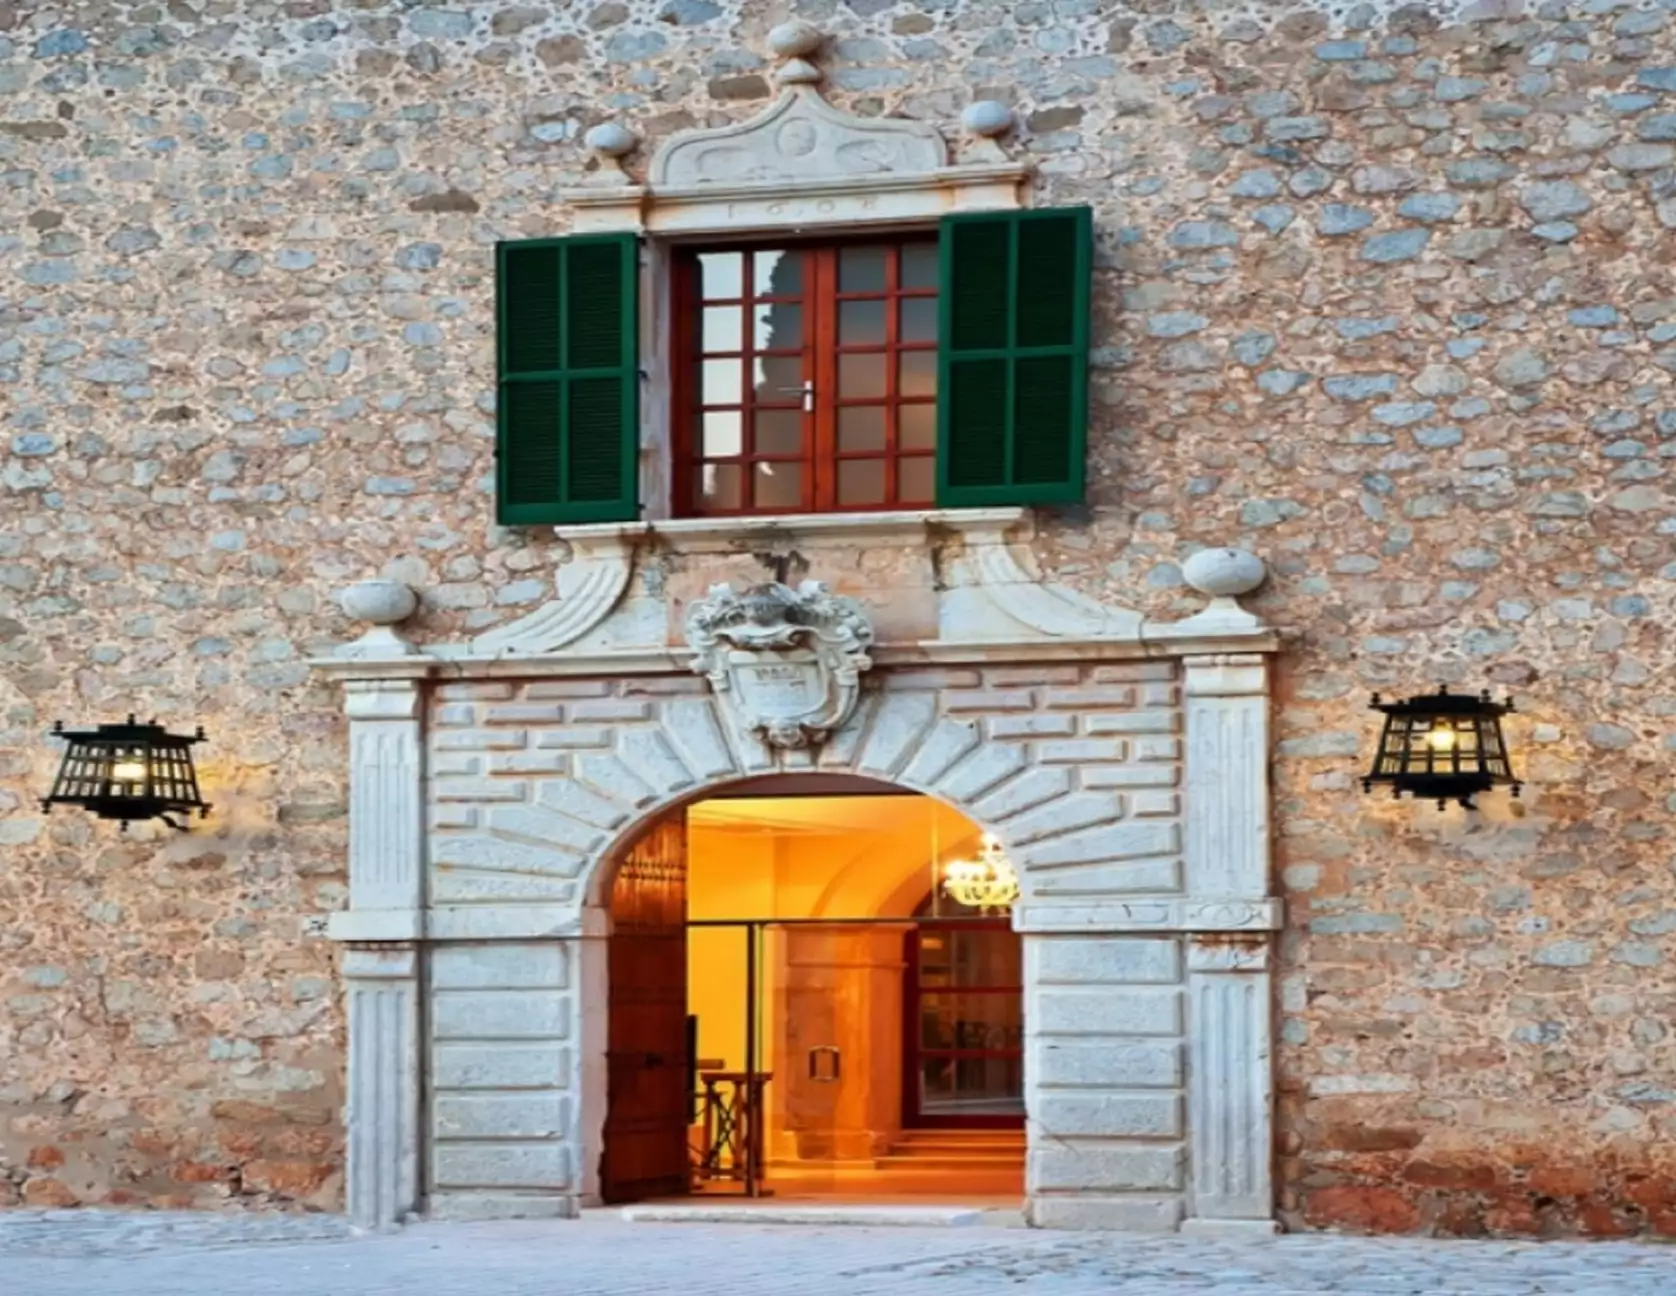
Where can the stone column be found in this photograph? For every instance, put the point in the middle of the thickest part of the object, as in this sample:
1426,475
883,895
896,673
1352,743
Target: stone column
381,965
1230,1094
383,1115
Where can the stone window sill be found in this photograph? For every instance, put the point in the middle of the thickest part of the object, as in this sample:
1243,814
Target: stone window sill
808,530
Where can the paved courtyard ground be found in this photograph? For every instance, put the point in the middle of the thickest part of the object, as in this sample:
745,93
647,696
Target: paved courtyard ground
78,1253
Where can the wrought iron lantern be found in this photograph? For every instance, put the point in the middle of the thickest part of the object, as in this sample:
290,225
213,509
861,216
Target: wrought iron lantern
985,883
128,772
1443,746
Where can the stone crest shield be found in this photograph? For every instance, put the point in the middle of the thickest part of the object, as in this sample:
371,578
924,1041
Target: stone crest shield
788,661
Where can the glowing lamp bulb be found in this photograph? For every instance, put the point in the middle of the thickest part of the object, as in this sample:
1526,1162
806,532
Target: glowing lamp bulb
1441,737
128,770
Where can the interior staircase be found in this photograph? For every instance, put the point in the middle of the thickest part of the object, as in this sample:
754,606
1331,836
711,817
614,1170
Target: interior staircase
966,1163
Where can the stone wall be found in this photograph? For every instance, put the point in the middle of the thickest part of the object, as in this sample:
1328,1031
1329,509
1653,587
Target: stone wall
1384,294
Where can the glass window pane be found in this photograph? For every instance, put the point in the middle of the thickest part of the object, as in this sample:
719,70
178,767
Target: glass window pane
721,274
861,323
779,379
862,269
861,376
720,435
861,481
919,320
720,488
918,374
975,1021
721,328
916,427
720,382
971,1086
778,486
778,327
916,480
986,958
861,427
777,273
919,265
779,432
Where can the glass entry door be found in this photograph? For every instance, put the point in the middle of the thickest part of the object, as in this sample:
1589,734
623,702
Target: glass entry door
964,1026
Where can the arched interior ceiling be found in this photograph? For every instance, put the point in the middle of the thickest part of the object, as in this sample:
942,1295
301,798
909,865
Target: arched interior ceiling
859,856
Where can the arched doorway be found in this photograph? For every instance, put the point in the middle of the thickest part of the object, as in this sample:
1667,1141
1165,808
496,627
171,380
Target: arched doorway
783,981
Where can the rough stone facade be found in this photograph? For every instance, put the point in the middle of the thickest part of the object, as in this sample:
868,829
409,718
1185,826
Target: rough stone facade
1385,295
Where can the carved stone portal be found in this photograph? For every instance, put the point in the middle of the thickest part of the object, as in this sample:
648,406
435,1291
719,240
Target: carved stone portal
787,662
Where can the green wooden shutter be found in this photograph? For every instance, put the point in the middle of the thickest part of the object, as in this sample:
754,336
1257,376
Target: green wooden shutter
1012,413
568,400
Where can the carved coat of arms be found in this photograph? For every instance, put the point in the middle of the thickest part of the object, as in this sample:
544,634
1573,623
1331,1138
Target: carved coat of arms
789,661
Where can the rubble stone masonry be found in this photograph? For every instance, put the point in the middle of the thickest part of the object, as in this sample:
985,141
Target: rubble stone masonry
1385,295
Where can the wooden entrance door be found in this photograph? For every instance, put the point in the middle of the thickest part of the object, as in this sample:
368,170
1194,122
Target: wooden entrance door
648,1084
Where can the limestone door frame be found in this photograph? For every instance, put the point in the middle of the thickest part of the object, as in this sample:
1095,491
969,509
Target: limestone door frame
1123,764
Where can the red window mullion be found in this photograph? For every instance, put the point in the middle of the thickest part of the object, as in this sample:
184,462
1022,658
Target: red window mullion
822,336
893,283
684,438
747,388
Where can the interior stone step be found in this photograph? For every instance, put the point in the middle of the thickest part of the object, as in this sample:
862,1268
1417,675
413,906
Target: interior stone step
927,1216
950,1161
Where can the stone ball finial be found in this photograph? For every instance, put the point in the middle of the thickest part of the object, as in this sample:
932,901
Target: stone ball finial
610,139
988,118
381,602
1224,573
795,39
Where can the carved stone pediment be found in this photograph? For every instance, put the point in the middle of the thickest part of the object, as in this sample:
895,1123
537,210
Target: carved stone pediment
787,662
800,138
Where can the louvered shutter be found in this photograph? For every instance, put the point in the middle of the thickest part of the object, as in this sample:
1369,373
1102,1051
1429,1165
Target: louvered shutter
568,398
1012,418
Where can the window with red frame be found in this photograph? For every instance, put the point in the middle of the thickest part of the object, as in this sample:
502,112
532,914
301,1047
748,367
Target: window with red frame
806,378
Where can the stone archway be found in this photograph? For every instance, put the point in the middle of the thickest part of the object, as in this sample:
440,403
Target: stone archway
1079,769
846,980
1122,762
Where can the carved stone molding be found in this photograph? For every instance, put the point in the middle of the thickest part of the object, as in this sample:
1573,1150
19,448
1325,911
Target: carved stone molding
1218,953
1162,915
803,162
800,138
588,587
975,564
788,663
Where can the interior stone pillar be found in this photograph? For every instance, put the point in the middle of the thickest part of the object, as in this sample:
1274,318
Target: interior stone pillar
839,988
1229,990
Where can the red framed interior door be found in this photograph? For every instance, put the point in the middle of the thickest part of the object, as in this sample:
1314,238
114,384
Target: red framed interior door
963,1025
645,1151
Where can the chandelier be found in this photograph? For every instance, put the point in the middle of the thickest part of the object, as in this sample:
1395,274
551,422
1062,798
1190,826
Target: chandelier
986,883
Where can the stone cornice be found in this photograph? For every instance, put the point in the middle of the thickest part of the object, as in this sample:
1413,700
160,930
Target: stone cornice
1157,640
992,608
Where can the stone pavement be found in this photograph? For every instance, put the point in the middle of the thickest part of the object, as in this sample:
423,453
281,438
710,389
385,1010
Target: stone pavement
84,1253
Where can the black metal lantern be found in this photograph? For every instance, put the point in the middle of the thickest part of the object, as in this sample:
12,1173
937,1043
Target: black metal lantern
1443,746
127,772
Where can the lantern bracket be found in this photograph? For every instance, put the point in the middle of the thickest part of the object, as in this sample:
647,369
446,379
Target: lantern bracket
128,772
1442,746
